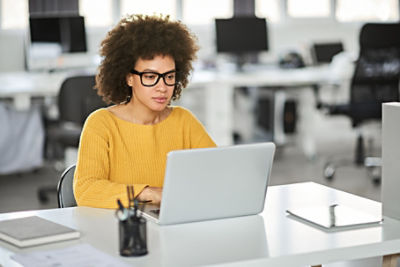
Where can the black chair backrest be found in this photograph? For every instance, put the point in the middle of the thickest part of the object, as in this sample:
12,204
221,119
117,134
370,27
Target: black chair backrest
379,35
65,193
377,72
77,98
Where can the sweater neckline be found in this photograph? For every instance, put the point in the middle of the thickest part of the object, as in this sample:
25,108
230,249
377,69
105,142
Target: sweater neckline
142,125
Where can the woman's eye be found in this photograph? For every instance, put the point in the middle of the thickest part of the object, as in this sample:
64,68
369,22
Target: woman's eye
149,76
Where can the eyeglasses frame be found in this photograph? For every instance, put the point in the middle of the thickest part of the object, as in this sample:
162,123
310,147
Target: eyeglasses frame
159,76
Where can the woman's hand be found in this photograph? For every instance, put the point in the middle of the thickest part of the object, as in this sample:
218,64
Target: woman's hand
151,193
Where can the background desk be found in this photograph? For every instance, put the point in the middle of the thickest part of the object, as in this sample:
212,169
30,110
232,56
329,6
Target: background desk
24,97
214,100
269,239
22,87
220,87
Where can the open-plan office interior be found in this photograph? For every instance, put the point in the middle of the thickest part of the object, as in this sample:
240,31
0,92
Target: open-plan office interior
294,72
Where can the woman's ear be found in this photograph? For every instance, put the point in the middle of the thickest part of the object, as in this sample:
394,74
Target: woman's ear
129,79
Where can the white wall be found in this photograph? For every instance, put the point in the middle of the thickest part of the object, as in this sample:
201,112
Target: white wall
290,35
301,34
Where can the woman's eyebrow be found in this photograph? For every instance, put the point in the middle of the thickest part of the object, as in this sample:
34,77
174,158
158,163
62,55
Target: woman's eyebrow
151,70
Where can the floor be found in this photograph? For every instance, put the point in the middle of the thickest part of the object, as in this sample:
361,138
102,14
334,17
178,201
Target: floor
334,139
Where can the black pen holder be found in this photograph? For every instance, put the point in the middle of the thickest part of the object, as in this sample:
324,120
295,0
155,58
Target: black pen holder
132,236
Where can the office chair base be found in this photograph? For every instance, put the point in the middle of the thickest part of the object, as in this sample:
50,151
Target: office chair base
43,193
43,198
331,166
374,169
375,172
329,171
377,181
372,164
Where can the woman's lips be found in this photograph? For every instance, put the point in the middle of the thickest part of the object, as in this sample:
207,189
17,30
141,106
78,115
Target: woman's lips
160,100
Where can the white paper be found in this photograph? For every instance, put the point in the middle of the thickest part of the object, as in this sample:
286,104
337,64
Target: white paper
78,255
335,216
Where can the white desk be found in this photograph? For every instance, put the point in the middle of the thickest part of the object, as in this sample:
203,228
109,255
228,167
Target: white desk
24,137
269,239
42,84
21,87
218,88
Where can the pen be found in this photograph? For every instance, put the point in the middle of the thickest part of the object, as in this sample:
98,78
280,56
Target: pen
120,205
134,203
131,196
121,213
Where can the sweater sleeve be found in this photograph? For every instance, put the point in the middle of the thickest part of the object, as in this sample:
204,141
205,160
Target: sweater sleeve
92,186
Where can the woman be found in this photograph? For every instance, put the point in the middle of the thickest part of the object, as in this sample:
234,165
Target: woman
146,63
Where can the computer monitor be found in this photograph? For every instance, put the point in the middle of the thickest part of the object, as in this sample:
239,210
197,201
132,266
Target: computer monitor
241,36
44,30
324,52
68,31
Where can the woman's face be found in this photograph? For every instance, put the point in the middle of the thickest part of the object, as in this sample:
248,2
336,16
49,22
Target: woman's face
155,97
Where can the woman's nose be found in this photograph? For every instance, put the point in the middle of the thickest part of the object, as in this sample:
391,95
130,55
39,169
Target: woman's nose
161,86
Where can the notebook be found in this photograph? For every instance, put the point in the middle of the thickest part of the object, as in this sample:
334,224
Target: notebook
213,183
335,217
33,230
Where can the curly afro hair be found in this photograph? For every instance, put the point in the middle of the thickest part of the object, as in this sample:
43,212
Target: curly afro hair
142,36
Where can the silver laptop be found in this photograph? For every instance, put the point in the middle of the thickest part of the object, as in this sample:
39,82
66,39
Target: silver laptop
213,183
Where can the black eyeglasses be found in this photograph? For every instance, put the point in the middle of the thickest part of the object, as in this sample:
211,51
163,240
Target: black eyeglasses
149,78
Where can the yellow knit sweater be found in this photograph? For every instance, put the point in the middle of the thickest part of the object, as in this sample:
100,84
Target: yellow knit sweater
114,152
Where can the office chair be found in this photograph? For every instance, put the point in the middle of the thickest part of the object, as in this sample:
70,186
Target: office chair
65,193
76,100
375,81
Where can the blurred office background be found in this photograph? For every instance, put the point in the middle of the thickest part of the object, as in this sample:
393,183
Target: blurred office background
309,138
